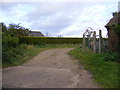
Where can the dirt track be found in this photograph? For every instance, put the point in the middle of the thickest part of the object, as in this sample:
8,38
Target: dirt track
52,68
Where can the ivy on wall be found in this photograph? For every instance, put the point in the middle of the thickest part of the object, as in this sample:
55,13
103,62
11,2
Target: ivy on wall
116,28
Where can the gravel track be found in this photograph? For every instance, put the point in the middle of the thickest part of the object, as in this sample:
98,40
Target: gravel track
53,68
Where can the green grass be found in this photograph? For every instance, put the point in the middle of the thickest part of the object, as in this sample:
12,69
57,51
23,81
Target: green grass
33,50
104,72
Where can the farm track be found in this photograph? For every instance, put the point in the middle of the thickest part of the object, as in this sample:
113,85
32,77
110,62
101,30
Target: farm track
53,68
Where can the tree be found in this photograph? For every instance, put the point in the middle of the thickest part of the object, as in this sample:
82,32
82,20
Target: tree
17,30
60,36
114,13
11,48
47,34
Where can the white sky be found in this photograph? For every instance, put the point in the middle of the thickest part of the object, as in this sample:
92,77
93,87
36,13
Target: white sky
69,19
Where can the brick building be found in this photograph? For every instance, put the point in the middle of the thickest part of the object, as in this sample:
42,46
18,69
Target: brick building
113,38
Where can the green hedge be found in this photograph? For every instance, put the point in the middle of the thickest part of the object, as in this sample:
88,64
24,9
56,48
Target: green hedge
49,40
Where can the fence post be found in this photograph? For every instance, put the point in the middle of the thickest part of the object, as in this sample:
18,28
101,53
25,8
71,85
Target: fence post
94,41
83,40
100,41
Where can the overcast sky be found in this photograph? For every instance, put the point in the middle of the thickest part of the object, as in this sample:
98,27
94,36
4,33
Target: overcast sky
69,19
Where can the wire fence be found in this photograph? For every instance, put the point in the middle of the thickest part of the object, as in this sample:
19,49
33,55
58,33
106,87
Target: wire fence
97,44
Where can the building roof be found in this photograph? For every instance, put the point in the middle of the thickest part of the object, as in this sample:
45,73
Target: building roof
36,33
115,19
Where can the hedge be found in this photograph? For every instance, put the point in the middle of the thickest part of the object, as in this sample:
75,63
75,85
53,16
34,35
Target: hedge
50,40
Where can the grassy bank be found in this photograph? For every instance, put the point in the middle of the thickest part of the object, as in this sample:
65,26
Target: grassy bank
33,50
29,53
104,72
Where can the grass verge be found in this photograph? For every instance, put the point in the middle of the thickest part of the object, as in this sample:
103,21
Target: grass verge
104,72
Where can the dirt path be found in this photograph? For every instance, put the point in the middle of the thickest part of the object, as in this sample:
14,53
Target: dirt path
52,68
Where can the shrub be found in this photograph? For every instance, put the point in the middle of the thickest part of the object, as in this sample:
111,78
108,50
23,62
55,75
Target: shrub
49,40
11,48
11,54
9,41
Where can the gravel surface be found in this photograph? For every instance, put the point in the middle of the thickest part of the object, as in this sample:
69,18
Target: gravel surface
53,68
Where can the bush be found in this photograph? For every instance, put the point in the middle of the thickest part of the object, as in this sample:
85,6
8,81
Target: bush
11,48
49,40
12,54
9,41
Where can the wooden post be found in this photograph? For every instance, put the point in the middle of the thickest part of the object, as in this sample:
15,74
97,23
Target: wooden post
100,41
94,41
83,40
88,42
